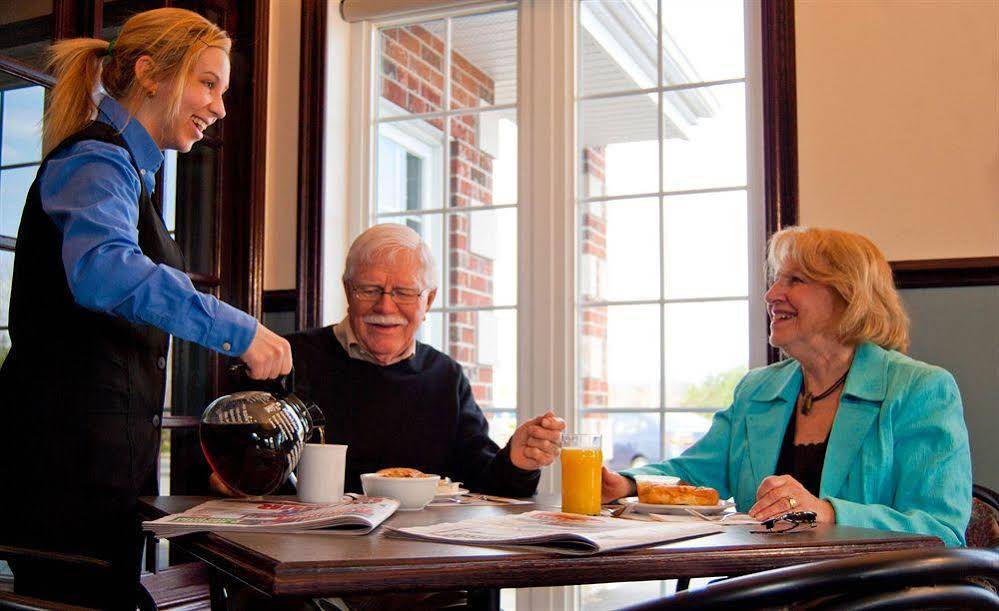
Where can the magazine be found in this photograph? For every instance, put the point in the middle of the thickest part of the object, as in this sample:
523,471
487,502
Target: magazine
553,531
353,515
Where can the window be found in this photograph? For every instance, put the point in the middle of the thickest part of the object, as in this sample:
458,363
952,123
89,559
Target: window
445,134
663,216
663,241
664,149
21,107
634,192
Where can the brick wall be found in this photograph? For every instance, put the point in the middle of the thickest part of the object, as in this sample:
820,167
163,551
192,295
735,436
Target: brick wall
412,77
593,232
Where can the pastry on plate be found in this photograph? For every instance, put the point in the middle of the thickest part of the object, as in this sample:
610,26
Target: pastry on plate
401,472
665,494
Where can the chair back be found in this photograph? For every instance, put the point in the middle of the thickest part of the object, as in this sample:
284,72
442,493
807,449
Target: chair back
983,528
831,580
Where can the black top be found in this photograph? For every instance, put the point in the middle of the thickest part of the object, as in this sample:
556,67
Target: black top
417,413
804,461
81,392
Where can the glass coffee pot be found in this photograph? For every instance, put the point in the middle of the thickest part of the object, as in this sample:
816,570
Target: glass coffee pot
253,439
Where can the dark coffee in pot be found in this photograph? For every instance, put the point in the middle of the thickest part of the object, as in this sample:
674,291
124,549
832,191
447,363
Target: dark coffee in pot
250,458
253,439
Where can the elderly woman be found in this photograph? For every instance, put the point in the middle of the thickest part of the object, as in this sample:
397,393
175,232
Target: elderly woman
848,427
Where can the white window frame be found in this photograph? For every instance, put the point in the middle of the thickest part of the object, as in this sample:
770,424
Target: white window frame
424,141
547,173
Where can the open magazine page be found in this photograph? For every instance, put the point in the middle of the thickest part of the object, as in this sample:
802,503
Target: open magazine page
565,533
353,515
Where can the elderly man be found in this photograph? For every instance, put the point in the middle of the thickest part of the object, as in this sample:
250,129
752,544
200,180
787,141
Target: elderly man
397,402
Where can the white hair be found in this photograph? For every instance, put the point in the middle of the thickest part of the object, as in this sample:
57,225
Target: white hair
383,244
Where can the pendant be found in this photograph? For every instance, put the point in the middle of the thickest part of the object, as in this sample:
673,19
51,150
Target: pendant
806,404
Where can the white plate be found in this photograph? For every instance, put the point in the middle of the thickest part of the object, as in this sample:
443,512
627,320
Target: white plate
461,492
707,510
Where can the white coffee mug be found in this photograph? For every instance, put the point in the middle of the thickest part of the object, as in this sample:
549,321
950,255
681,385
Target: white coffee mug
321,473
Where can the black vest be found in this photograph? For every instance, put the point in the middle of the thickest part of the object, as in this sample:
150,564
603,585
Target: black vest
82,390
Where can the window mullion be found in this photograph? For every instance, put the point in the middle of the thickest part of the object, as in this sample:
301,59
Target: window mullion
547,174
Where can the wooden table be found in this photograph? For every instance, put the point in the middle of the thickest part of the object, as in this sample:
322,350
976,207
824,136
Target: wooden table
316,564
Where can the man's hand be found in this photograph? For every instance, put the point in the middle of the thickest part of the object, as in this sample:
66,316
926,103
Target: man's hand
614,486
535,443
268,356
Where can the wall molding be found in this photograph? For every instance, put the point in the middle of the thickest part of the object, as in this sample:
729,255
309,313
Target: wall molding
23,71
280,300
311,135
941,273
780,112
780,125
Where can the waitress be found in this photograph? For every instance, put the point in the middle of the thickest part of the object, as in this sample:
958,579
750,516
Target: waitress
97,291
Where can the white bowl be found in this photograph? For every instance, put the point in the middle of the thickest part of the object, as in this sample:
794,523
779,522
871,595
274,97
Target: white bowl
413,493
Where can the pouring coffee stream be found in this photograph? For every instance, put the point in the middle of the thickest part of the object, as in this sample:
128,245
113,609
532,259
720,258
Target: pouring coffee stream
253,439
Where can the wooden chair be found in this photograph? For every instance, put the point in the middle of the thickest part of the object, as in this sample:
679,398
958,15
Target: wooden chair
184,586
179,587
901,579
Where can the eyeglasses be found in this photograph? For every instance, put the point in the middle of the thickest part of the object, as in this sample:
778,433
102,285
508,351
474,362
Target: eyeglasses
794,518
370,292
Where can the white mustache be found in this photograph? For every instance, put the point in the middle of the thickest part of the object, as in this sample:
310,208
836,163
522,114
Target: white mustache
384,319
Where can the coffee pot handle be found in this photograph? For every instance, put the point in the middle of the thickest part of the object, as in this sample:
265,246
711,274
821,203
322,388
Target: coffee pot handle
318,421
281,386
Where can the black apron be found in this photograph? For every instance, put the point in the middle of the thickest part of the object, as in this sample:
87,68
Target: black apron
81,399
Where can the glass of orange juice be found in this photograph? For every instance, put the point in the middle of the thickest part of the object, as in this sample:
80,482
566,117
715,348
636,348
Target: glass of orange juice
581,461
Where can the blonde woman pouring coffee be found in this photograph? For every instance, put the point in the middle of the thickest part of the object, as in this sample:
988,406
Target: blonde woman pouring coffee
97,290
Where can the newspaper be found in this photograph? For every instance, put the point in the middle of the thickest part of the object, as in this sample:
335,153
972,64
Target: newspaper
553,531
353,515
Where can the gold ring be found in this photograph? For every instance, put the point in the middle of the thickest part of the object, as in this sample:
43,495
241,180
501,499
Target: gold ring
791,502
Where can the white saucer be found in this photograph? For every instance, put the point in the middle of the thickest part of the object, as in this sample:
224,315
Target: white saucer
707,510
461,492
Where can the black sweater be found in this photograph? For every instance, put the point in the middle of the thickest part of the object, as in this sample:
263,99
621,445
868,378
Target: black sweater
418,413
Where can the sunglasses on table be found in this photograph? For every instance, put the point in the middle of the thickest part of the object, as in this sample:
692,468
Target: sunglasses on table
793,519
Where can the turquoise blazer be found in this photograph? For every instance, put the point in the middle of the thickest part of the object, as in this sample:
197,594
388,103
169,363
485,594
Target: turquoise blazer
897,457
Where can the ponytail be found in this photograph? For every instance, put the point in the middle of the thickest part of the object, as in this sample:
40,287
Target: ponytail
76,65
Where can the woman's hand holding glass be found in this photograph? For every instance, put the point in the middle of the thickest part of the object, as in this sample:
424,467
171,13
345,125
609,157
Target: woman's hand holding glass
614,486
779,494
268,356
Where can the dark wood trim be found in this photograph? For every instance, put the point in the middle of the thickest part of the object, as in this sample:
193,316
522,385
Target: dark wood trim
181,586
311,121
7,243
940,273
77,18
780,124
26,31
94,20
181,422
282,300
204,279
258,176
26,72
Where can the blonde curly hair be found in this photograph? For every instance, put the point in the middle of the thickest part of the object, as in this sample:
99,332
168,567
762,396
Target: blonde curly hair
857,270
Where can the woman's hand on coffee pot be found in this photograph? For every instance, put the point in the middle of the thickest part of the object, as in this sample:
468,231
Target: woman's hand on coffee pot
268,356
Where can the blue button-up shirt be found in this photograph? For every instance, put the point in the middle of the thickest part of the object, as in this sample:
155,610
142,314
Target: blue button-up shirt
90,191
